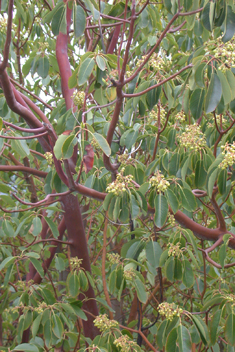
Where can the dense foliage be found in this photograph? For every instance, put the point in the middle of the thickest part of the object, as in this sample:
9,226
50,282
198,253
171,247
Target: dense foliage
117,156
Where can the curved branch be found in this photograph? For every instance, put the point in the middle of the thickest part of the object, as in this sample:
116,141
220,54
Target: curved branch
153,49
41,201
158,84
29,170
28,137
63,62
27,130
3,64
14,105
218,212
33,95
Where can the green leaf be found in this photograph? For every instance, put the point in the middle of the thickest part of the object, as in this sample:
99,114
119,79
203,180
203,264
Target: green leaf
58,146
171,345
184,339
116,209
170,268
188,275
43,66
214,93
20,147
214,325
37,264
222,254
100,62
188,199
26,347
135,249
229,24
102,143
36,324
85,70
205,17
107,201
134,207
226,89
72,284
231,80
153,253
211,181
172,200
6,262
52,226
229,329
177,269
201,327
79,20
68,146
196,102
59,23
57,326
140,290
200,174
37,226
161,210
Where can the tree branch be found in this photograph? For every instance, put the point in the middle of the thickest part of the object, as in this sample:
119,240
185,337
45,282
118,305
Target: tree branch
3,64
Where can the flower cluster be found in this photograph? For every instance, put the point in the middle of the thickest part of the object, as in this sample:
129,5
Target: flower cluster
169,310
154,115
220,119
75,263
224,53
120,185
126,344
230,297
171,220
126,159
128,74
129,274
3,25
193,138
180,116
41,307
229,155
43,46
49,158
159,63
174,250
78,99
114,258
159,181
103,323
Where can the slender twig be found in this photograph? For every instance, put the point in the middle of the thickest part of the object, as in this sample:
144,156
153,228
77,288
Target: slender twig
33,95
106,293
41,201
28,130
158,84
27,137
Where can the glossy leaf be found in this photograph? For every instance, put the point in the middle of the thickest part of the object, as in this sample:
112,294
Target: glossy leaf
171,345
85,70
161,210
102,143
229,329
79,20
153,253
184,339
214,324
214,94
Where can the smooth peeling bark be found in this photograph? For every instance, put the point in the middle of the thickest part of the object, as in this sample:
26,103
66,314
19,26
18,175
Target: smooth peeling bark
63,62
78,248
